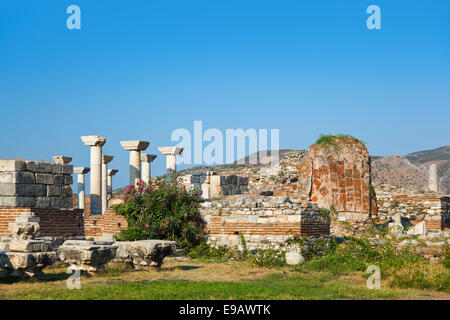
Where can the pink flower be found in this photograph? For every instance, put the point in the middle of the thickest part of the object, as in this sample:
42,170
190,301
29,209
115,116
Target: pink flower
137,183
145,189
185,214
130,186
133,197
147,226
128,190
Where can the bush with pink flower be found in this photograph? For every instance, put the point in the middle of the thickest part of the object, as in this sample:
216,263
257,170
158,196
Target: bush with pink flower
164,210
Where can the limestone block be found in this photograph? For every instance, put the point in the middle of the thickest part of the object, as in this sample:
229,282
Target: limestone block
12,165
44,178
28,245
17,177
45,167
87,255
22,264
54,191
59,179
17,201
43,202
67,169
67,191
62,159
57,168
32,166
68,180
26,226
66,202
294,257
144,254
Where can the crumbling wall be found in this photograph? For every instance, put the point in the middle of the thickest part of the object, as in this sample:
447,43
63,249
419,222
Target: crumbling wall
265,221
35,184
337,176
432,208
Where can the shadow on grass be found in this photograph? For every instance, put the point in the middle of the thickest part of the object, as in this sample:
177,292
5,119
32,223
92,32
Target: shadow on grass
46,277
184,268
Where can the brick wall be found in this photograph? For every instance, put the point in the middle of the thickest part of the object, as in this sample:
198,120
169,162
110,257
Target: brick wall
54,222
263,221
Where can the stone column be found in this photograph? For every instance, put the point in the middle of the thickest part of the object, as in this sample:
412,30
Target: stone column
433,181
171,157
62,159
81,171
135,147
111,172
146,160
96,143
105,161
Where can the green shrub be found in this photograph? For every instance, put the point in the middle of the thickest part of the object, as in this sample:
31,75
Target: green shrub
333,140
164,210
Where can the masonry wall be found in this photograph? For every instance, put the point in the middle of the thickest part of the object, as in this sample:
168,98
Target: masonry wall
267,221
35,184
433,208
54,222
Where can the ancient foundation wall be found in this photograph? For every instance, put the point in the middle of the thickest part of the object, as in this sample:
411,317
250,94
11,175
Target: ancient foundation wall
433,208
54,222
263,221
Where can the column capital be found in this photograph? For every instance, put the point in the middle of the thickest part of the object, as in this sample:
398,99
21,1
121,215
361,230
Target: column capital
93,140
81,170
137,145
148,157
62,159
112,172
170,150
107,159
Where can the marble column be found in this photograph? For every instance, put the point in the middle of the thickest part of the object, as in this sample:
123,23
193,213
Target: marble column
81,171
433,181
135,147
62,159
96,143
105,161
111,173
146,160
171,157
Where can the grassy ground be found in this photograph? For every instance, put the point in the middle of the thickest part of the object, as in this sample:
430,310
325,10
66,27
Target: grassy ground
198,280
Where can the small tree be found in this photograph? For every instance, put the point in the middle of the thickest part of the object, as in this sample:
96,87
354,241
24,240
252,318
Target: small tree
164,210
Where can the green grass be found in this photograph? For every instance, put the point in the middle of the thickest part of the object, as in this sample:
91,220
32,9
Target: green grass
334,140
275,286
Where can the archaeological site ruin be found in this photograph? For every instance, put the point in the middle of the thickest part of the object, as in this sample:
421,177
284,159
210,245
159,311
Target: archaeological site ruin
310,193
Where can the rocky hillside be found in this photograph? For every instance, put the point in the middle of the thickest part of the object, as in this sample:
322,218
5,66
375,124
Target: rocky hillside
411,171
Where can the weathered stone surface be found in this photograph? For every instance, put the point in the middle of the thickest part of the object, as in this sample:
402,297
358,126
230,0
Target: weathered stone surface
26,257
44,178
17,177
62,159
45,167
12,165
145,253
294,257
337,176
54,191
87,255
17,201
21,264
57,168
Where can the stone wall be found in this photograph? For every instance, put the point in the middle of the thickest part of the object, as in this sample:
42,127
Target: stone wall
264,221
212,184
35,184
338,176
433,208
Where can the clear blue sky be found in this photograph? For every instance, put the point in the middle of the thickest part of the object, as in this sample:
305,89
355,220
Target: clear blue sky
140,69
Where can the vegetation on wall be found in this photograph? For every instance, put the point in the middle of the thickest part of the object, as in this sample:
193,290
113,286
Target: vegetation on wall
333,140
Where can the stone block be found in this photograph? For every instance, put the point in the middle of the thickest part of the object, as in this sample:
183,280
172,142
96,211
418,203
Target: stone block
17,201
67,169
57,168
27,190
43,202
19,245
59,179
45,167
67,191
12,165
17,177
44,178
54,191
68,179
32,166
66,202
